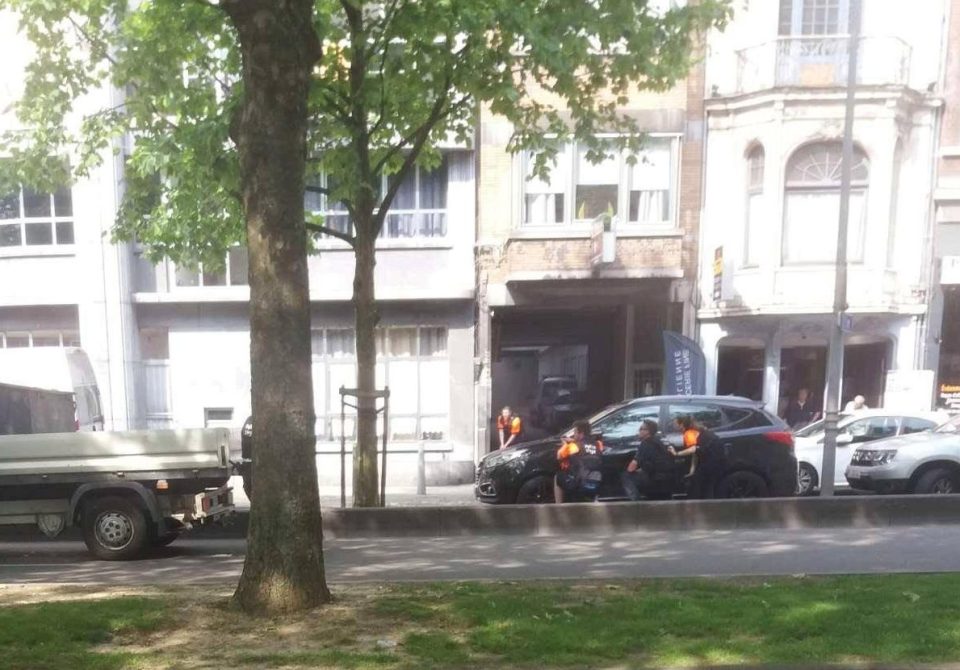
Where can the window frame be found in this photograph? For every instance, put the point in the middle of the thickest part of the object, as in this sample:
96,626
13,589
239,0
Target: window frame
66,338
856,254
52,221
570,182
327,417
324,199
199,272
754,189
793,25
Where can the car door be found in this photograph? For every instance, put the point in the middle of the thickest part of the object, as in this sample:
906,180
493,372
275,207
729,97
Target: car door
620,439
857,433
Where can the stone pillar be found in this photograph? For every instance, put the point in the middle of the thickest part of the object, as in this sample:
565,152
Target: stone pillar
771,371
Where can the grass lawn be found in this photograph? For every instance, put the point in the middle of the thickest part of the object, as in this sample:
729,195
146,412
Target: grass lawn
808,620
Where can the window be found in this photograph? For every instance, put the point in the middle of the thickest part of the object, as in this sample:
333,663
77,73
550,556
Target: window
623,425
544,201
218,417
39,339
418,210
412,361
911,424
812,204
814,17
29,218
578,190
874,428
234,272
753,225
708,416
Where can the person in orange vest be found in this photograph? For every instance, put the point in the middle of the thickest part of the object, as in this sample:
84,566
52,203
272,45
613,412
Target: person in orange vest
580,464
707,460
509,427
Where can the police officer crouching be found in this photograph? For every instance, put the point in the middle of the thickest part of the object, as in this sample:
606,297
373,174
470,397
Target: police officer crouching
652,471
580,465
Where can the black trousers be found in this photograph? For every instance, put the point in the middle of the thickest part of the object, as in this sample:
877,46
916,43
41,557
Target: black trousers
703,484
638,484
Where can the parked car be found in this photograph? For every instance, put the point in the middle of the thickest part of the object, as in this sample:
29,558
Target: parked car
855,428
920,463
553,391
758,447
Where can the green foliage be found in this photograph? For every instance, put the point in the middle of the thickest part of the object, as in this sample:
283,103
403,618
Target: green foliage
396,78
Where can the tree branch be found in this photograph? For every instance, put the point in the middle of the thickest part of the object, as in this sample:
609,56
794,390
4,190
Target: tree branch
324,230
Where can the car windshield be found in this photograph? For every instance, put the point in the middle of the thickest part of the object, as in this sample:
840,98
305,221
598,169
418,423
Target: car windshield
951,426
596,418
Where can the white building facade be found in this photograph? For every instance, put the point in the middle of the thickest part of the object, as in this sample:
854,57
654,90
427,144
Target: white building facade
774,115
171,346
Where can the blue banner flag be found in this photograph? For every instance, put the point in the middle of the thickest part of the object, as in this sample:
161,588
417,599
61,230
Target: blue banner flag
685,368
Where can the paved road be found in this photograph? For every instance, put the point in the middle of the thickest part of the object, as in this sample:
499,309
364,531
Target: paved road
646,554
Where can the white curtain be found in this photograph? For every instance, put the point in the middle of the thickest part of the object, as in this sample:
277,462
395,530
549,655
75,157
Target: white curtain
810,226
650,181
543,198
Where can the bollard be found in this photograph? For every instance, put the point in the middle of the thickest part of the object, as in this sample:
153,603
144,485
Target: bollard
421,471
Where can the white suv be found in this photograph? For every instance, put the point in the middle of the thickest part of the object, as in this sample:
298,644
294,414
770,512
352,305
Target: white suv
855,429
922,463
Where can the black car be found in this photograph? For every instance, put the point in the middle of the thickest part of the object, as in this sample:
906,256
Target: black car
758,448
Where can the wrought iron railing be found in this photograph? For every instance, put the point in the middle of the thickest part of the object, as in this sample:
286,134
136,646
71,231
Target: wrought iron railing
821,62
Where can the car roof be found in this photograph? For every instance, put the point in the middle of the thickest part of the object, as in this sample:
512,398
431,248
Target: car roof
719,399
867,413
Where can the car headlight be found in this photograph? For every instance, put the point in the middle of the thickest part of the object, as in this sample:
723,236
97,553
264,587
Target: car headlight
501,457
873,456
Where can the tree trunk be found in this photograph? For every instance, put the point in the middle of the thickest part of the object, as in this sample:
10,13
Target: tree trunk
283,570
365,480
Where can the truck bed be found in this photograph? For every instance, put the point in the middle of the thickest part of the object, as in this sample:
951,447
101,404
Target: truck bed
127,454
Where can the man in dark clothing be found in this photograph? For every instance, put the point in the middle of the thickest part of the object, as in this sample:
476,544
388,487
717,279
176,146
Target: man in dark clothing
801,411
651,472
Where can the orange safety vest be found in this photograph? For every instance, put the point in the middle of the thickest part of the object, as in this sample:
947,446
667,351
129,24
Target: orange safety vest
516,425
691,438
571,449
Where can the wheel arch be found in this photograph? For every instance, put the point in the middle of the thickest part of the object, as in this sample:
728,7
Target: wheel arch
133,491
926,467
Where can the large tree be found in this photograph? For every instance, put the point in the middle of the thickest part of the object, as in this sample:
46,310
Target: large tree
211,101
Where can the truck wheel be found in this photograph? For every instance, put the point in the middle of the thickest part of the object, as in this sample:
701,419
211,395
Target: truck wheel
114,529
742,484
938,480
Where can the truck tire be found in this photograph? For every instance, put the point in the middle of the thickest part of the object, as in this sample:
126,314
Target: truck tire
938,480
164,539
114,528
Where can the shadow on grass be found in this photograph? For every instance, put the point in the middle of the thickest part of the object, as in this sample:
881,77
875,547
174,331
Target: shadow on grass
897,619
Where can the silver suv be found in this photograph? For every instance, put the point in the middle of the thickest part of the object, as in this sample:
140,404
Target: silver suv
926,462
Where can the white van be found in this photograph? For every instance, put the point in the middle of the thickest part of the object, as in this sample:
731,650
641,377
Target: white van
62,369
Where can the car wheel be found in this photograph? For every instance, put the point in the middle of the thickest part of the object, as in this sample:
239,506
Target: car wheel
742,484
535,491
807,480
114,529
938,480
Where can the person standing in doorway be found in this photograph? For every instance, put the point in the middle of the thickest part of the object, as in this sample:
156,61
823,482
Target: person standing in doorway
857,404
509,427
801,411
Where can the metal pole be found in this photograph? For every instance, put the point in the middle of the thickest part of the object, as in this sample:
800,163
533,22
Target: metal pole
421,471
383,458
343,452
835,354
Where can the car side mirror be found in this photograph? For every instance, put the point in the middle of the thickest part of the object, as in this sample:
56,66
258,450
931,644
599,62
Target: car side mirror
844,439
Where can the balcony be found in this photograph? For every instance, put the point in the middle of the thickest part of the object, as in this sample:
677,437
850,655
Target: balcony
821,62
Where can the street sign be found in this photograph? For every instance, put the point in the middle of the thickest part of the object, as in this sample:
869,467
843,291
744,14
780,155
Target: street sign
718,274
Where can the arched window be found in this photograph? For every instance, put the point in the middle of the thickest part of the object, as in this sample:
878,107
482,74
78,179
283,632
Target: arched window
812,204
753,234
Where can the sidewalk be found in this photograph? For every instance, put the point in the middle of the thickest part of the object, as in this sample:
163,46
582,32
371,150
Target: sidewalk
397,496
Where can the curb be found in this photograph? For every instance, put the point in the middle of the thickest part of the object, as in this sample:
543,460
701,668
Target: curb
620,517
